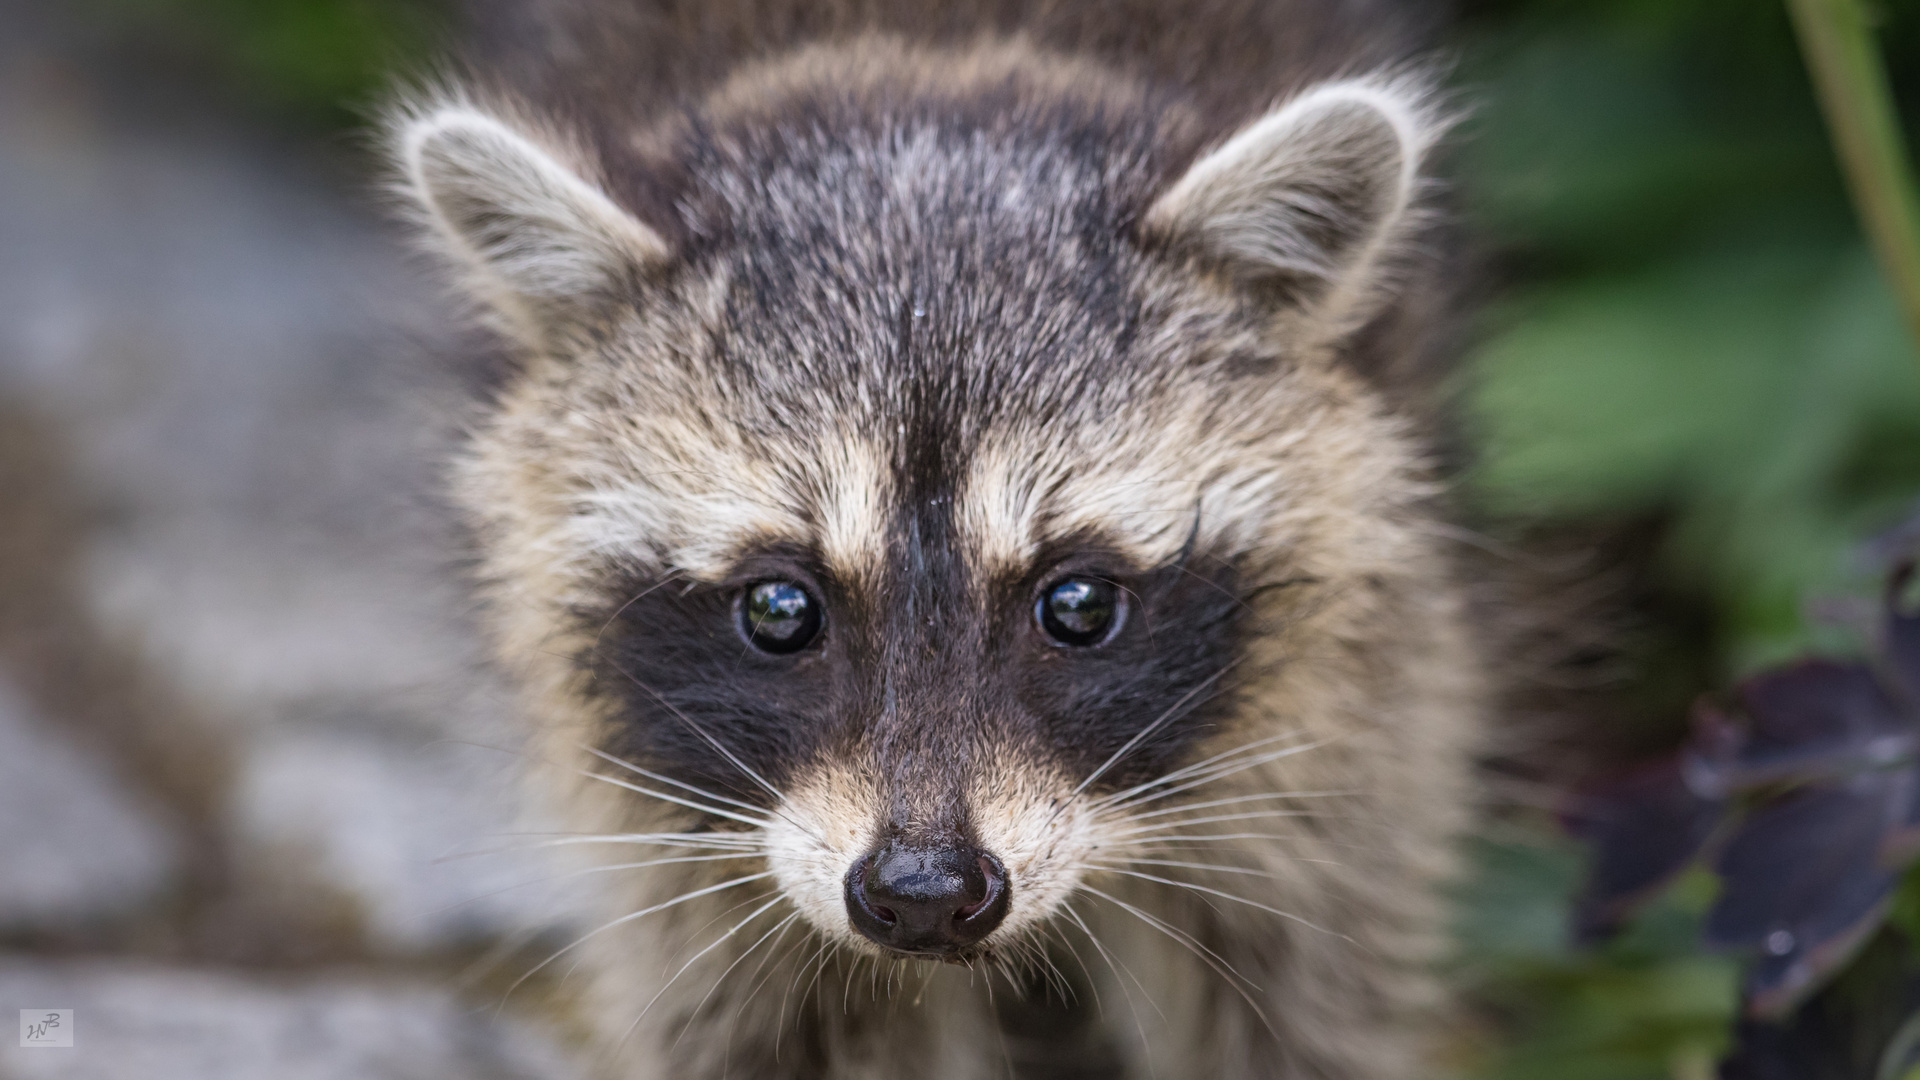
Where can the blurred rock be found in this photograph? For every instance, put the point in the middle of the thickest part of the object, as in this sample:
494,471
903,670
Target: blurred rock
247,376
403,838
75,846
145,1022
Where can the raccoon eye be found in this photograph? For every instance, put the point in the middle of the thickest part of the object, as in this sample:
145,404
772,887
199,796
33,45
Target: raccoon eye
1080,611
779,617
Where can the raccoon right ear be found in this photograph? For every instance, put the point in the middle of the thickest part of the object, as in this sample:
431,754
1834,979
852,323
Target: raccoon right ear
539,242
1312,195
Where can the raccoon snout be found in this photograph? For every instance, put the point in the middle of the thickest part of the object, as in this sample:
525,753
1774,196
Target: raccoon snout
932,902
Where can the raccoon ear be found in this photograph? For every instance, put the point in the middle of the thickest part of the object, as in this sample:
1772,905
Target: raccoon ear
1309,196
539,241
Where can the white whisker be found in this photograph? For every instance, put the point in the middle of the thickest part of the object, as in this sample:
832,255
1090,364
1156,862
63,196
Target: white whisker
1117,967
1210,840
1093,985
799,972
716,943
1183,822
582,871
1227,896
1229,975
779,927
1222,771
1184,938
702,732
760,823
604,927
1176,775
682,785
1210,804
1246,870
707,840
1145,732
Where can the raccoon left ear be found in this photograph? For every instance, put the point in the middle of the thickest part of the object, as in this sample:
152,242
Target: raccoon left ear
1311,195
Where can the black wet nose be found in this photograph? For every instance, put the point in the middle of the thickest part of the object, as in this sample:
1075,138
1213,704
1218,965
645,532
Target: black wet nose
918,900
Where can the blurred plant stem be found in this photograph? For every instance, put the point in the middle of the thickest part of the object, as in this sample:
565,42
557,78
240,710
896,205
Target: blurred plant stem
1837,40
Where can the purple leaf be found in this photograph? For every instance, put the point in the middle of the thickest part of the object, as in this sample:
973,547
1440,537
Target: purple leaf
1645,827
1804,881
1814,719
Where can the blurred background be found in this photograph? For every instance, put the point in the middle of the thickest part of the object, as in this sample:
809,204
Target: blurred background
250,764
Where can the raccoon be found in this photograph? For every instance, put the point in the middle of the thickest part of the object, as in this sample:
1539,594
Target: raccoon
955,515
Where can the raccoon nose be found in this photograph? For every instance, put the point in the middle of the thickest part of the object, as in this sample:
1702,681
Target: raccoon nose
926,901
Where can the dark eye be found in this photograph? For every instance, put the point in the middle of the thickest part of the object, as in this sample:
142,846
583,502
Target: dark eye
779,616
1080,611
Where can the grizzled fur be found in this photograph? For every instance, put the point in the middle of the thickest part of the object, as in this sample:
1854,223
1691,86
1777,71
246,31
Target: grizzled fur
926,313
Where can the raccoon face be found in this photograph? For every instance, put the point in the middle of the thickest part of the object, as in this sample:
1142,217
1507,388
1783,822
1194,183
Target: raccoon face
949,485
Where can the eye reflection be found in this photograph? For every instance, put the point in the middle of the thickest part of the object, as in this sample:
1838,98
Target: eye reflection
1080,612
779,617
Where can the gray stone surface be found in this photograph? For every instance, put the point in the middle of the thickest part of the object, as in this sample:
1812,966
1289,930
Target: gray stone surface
246,381
420,841
245,368
143,1022
75,846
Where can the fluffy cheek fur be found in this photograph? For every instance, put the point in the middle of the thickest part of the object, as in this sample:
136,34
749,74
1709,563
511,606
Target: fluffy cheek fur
1026,814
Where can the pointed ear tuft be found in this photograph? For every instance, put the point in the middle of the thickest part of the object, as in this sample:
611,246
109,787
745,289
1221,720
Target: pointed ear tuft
1312,194
540,242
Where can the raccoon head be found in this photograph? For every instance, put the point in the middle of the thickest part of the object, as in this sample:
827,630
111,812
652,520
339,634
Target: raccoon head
946,474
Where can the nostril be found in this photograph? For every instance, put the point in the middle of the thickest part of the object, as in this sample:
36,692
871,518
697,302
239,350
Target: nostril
993,884
885,915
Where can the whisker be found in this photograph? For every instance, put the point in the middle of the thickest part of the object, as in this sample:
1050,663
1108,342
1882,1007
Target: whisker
1144,733
1206,840
1229,896
1247,870
846,992
779,927
702,792
1182,822
622,609
1206,955
1146,1045
703,733
740,1009
688,941
604,927
1222,771
1177,774
784,927
1208,805
1192,943
582,871
1049,971
799,972
701,840
759,823
1093,986
694,959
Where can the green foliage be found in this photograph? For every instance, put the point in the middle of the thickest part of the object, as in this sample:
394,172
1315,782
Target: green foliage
1645,1005
312,62
1693,327
1690,330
